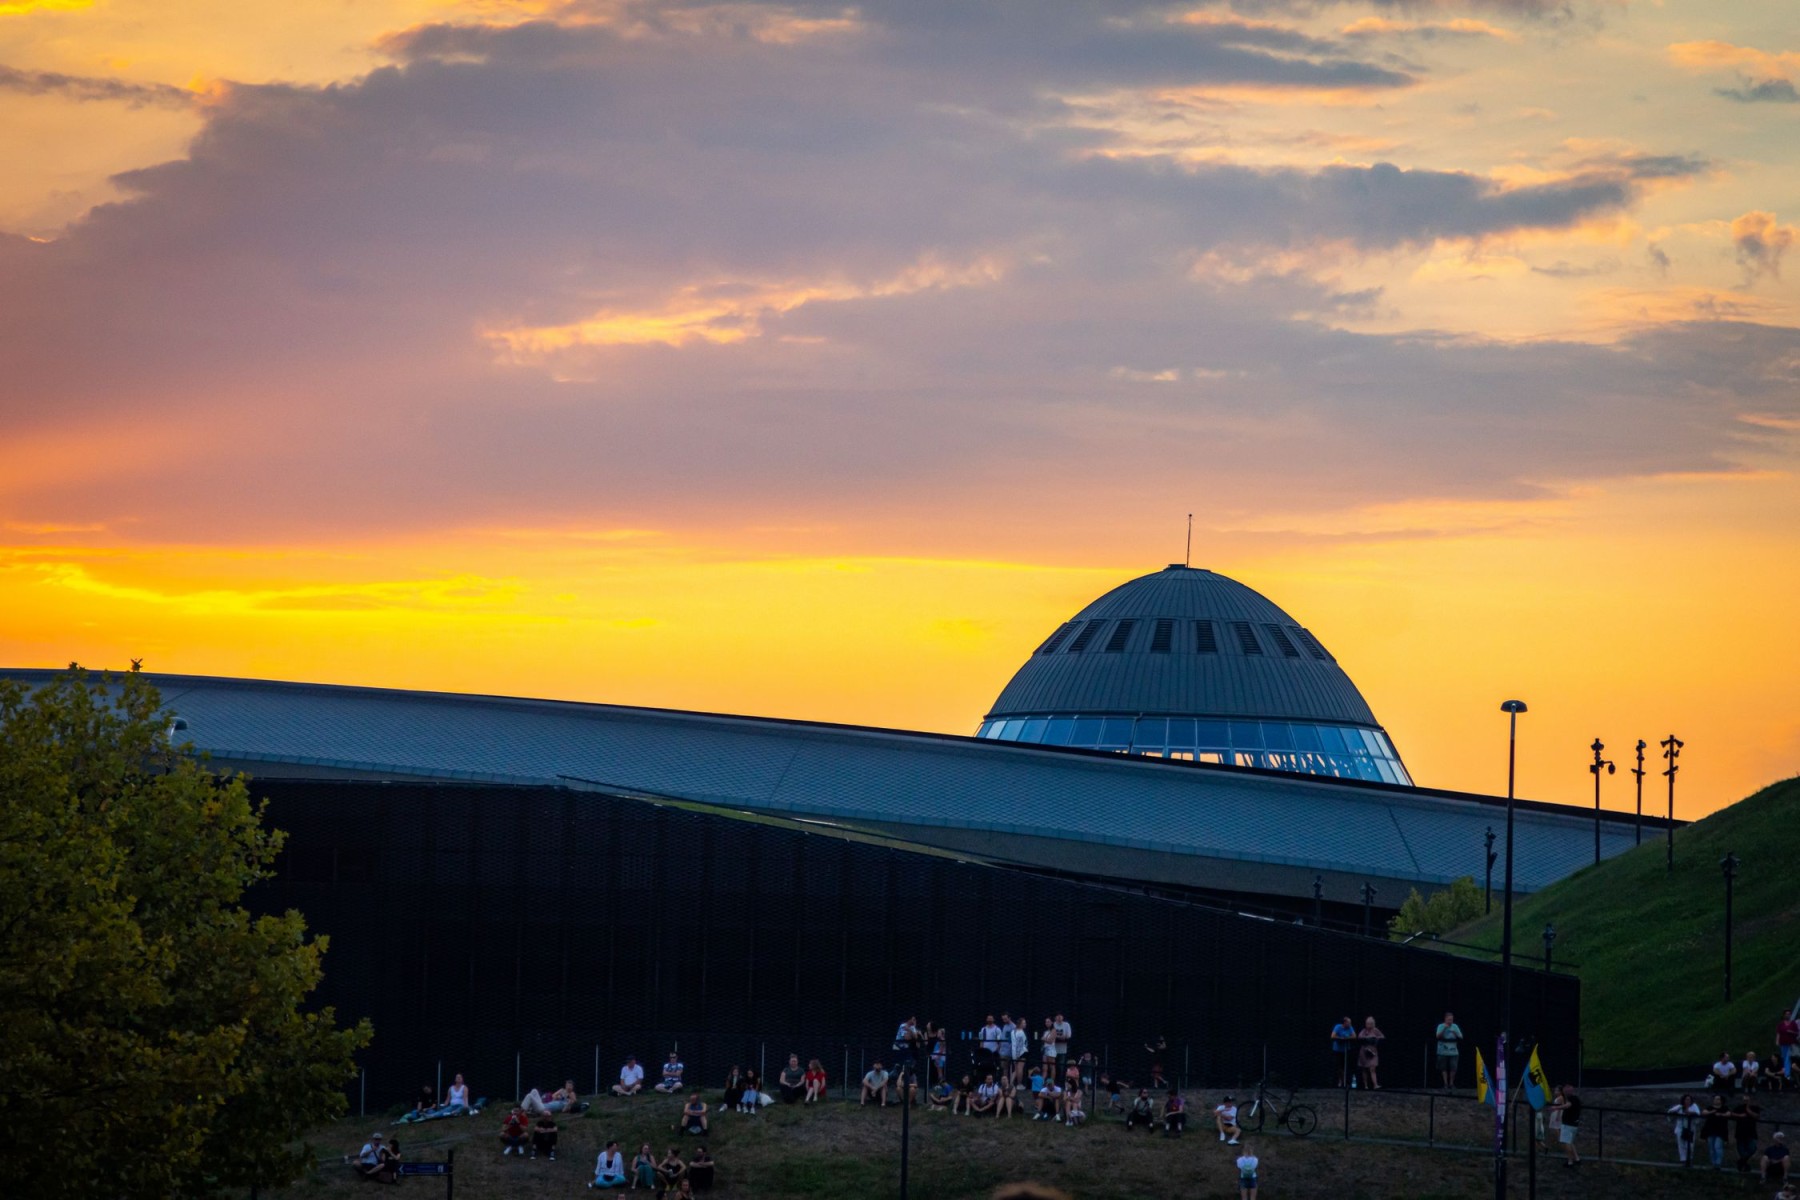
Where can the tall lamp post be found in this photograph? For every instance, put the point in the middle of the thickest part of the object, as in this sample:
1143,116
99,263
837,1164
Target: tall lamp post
1512,708
1672,750
1368,895
1549,941
1599,761
1318,900
1639,772
1728,864
1487,886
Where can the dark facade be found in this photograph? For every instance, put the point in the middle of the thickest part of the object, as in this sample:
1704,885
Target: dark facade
529,932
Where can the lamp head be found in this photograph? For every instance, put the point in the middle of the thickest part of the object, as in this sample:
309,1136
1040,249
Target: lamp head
1513,706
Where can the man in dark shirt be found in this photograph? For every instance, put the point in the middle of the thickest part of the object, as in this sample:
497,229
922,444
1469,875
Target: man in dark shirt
1571,1124
1743,1126
1775,1159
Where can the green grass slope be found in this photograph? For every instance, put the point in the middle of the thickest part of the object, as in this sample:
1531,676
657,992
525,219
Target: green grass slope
1651,946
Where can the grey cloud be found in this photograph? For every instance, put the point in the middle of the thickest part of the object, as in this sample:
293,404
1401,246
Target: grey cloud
1767,91
89,87
1566,270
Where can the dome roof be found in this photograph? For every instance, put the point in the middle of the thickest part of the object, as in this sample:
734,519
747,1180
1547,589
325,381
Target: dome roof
1187,643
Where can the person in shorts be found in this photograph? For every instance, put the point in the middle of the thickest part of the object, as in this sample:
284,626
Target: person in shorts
1225,1116
1570,1105
1775,1159
1247,1163
1449,1049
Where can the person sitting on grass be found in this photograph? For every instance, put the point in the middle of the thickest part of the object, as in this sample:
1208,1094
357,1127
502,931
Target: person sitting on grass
753,1094
631,1078
987,1097
815,1081
672,1070
643,1169
734,1089
875,1085
1225,1116
513,1133
1008,1103
370,1163
543,1136
1174,1114
1724,1074
1774,1160
1073,1113
609,1168
669,1172
792,1081
1142,1111
700,1170
940,1095
693,1116
563,1099
1049,1101
458,1097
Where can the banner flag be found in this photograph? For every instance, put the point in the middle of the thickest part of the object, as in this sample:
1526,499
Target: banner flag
1537,1088
1484,1089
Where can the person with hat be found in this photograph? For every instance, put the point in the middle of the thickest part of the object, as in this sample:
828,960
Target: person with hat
1225,1115
370,1163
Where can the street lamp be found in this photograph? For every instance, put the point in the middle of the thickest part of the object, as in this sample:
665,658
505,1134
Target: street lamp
1729,864
1368,895
1318,900
1599,762
1549,941
1672,750
1639,772
1512,708
1487,886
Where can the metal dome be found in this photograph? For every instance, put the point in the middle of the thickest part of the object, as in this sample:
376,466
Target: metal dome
1243,682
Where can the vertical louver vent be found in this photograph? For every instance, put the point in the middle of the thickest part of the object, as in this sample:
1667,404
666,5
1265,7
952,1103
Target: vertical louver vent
1312,644
1246,638
1281,642
1056,639
1204,641
1116,642
1161,636
1084,637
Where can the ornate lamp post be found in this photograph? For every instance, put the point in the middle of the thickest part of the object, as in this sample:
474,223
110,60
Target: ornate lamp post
1639,772
1512,708
1672,750
1599,762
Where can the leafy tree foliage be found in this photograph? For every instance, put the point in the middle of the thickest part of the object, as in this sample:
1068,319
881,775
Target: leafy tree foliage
1448,908
152,1035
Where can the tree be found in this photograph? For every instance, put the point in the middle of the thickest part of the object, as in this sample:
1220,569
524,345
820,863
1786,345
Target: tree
153,1039
1448,908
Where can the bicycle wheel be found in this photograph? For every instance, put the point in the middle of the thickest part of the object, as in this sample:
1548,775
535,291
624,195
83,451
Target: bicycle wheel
1250,1119
1301,1120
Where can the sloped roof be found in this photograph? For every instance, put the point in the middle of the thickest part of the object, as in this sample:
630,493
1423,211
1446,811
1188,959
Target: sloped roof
882,777
1261,664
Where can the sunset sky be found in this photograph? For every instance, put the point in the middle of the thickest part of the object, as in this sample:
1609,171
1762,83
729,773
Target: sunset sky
816,360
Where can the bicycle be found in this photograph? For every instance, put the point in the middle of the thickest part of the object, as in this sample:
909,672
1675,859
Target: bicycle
1298,1119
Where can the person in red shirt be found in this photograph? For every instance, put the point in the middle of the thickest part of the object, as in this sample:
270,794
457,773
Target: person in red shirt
513,1133
1787,1035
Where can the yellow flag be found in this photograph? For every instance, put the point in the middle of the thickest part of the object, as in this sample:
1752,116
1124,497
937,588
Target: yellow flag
1537,1088
1484,1088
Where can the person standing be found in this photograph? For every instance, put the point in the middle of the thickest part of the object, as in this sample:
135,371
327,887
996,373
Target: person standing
1368,1054
1743,1121
1715,1125
1021,1051
1247,1164
1449,1049
1064,1035
1342,1035
1570,1103
1684,1119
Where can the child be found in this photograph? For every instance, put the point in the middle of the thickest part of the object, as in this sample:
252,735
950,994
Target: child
1247,1163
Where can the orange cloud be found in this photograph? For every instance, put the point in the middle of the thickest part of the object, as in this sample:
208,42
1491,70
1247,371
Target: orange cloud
1713,55
1466,26
14,8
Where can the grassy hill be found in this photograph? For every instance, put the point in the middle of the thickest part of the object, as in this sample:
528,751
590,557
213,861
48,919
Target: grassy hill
1650,946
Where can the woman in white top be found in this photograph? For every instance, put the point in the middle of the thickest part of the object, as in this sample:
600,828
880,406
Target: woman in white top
458,1095
1749,1072
1684,1121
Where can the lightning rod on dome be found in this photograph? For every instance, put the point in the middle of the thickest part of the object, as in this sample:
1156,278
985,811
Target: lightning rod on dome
1187,559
